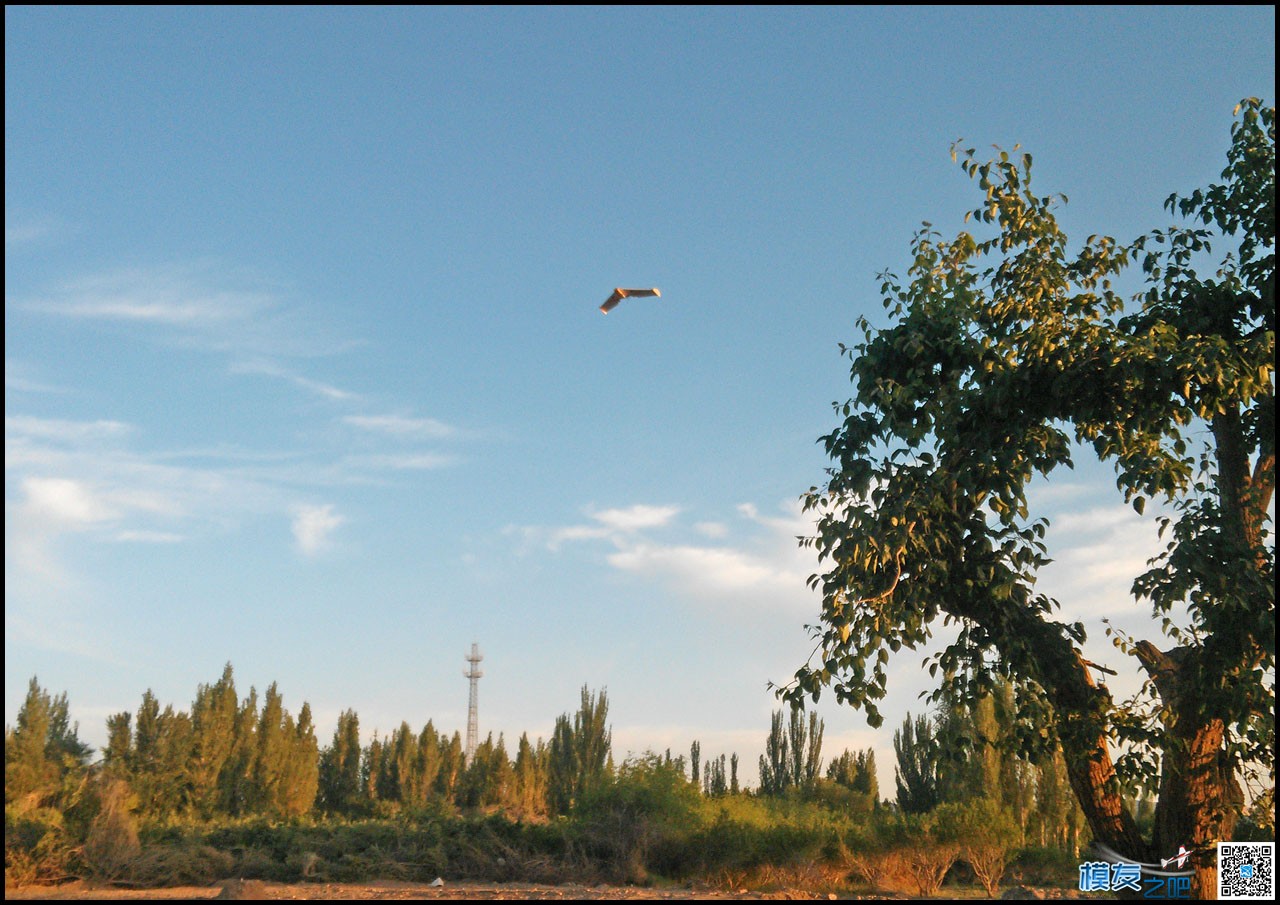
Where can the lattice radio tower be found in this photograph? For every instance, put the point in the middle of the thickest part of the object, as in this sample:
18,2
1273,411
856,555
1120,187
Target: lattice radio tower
473,716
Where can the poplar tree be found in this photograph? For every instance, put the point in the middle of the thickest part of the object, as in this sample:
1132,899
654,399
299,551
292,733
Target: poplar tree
430,760
214,721
371,765
401,767
916,775
775,773
530,778
580,752
793,753
300,784
563,767
451,764
42,749
271,757
235,782
339,779
593,739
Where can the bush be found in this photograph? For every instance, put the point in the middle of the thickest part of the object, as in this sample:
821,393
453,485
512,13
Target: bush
1045,867
932,846
111,846
872,850
184,864
649,810
37,848
988,835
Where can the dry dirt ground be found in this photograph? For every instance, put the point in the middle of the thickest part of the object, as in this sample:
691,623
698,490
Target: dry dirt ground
254,889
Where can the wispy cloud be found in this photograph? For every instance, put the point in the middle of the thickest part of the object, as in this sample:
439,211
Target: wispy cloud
402,426
63,503
404,462
617,524
63,431
271,369
202,304
313,526
20,231
48,508
760,563
709,571
636,518
1097,555
149,537
87,478
756,563
18,379
176,296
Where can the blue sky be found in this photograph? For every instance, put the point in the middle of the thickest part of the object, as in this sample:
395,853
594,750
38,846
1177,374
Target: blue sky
304,369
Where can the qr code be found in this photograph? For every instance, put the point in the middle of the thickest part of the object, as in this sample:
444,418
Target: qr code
1246,870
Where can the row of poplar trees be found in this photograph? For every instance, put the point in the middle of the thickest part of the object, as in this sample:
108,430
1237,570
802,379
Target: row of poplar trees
229,756
966,751
409,770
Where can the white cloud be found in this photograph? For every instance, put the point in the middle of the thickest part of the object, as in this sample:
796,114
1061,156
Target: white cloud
271,369
175,296
18,379
201,304
61,431
63,503
406,462
574,533
402,426
636,518
766,567
1106,519
27,231
710,571
312,526
618,525
149,537
50,507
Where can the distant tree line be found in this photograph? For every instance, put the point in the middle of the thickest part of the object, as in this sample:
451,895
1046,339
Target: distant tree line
967,752
228,756
233,756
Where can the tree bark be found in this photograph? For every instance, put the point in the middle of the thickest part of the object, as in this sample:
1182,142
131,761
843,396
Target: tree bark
1040,650
1199,798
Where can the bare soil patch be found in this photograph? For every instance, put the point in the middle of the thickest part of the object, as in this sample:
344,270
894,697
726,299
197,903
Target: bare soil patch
392,889
255,889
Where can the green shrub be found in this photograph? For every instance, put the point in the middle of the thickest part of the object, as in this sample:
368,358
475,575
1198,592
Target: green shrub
183,864
1044,867
641,820
988,836
36,847
111,846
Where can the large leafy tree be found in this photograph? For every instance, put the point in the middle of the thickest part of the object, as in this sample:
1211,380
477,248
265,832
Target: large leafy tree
1005,352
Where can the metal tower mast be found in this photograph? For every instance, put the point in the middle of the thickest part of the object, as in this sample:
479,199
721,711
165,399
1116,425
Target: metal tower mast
473,719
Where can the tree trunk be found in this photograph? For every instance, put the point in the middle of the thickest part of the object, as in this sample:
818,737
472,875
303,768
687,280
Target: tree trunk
1040,650
1199,796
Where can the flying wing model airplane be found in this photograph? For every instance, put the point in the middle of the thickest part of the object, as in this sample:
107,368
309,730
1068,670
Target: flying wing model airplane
619,294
